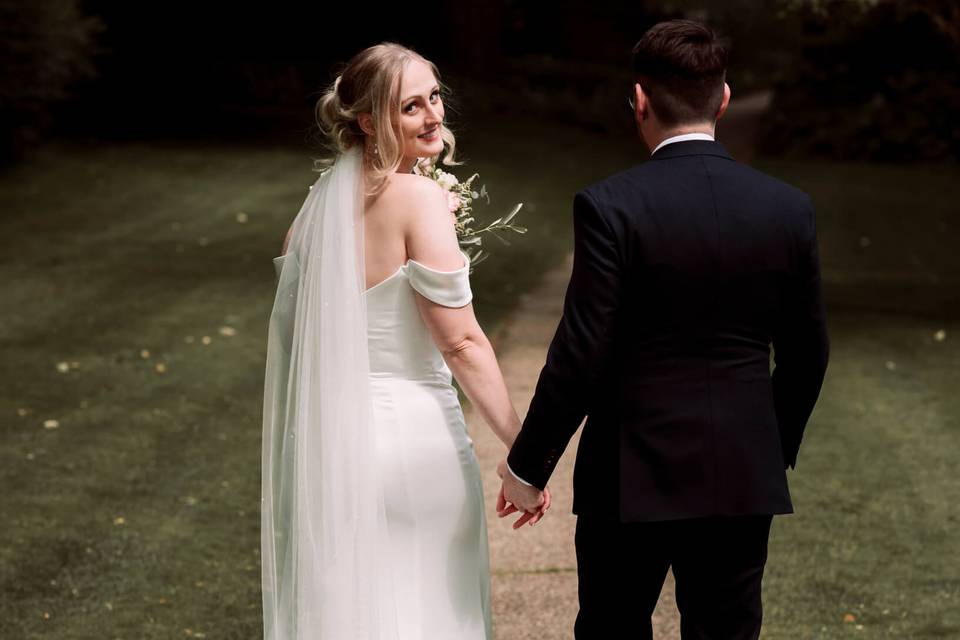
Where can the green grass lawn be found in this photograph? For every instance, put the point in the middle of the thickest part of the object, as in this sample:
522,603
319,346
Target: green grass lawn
137,516
874,535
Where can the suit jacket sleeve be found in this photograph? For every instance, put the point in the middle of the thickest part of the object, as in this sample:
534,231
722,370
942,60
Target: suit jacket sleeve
801,347
580,350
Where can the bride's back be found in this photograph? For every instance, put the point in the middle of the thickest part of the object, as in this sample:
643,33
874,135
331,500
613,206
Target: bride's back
391,217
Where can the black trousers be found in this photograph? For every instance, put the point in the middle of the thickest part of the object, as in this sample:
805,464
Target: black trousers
717,564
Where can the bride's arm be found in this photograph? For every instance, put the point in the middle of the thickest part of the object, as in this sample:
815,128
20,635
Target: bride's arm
471,358
432,241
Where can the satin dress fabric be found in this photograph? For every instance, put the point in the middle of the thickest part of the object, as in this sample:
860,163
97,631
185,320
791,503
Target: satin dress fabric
429,472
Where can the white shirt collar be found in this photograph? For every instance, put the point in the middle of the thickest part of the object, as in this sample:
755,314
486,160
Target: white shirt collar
683,138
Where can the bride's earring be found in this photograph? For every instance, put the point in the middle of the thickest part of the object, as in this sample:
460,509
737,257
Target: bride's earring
373,153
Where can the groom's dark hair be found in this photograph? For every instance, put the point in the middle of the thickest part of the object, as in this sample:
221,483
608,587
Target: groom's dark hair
681,66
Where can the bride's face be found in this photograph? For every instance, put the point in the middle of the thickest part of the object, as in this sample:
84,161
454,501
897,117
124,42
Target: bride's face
421,112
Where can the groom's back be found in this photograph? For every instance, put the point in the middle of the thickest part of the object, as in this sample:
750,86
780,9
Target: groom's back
711,253
707,243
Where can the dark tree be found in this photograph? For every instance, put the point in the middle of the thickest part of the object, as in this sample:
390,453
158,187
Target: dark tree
874,80
46,48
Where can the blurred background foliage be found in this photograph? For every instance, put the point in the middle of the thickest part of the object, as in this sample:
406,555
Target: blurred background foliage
46,49
873,80
850,79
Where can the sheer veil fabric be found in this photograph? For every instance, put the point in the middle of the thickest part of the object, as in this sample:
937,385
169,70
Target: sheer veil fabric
323,520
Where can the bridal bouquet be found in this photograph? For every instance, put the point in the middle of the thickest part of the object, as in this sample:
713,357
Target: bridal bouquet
460,197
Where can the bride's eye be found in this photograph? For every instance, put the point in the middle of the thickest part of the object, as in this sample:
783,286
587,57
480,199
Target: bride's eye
435,95
409,108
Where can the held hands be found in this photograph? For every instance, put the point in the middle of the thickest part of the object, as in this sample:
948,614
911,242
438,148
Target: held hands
515,497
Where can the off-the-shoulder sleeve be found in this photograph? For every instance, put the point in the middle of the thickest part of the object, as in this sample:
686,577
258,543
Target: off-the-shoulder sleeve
446,288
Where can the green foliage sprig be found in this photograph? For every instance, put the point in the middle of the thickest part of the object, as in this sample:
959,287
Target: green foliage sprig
460,198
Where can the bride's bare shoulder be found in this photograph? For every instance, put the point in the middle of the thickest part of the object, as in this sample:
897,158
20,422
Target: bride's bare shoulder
410,201
409,188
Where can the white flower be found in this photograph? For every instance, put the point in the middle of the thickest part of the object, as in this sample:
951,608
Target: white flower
447,180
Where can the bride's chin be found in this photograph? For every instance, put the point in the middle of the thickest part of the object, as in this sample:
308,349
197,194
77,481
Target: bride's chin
433,148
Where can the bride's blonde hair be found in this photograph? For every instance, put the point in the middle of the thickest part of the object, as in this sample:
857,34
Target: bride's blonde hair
370,83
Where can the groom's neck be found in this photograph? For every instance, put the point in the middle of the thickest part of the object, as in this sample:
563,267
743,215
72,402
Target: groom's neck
655,136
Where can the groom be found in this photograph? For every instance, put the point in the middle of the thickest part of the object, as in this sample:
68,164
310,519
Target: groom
686,269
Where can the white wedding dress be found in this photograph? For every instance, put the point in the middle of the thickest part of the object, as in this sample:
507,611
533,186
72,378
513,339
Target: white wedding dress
373,525
429,473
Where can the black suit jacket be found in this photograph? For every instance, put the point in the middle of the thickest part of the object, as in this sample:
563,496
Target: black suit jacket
686,269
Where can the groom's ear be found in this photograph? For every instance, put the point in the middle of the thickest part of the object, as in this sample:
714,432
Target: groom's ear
725,102
365,120
641,106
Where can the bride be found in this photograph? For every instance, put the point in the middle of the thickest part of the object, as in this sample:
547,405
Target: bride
373,525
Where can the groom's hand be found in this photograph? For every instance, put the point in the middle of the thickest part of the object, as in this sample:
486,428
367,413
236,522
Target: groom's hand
515,496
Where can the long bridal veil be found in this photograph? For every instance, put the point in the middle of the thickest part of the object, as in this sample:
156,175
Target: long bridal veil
323,525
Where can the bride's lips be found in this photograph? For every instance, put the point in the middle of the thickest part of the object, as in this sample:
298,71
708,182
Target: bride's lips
430,135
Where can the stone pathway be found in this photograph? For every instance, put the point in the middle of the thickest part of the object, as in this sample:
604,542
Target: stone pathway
534,578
